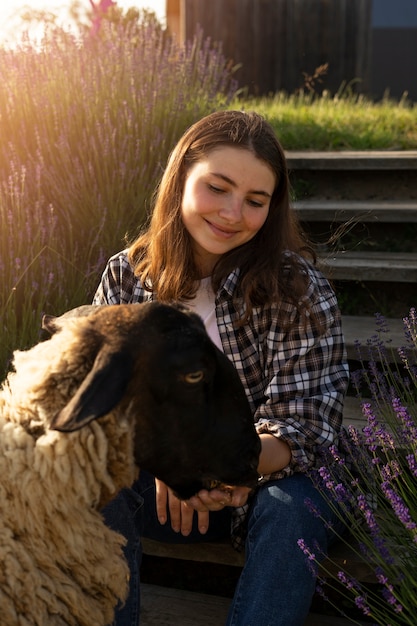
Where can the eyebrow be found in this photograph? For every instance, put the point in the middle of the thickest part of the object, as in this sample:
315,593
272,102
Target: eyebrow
259,192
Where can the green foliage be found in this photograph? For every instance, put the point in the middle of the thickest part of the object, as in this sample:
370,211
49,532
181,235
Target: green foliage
307,121
87,124
371,480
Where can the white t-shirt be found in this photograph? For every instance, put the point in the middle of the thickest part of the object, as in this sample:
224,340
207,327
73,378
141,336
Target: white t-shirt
204,305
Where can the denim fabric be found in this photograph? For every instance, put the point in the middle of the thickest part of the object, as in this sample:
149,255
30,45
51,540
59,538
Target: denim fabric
124,515
133,514
276,585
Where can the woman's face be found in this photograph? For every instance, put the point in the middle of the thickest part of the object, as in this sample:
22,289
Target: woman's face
225,202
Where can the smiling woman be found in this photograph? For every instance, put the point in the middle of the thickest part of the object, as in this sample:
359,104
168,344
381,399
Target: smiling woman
225,202
12,24
223,239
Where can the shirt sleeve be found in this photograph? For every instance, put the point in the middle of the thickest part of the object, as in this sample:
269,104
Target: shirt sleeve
117,284
303,400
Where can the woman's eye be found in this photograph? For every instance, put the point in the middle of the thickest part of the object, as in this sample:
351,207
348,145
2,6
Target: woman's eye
256,204
215,189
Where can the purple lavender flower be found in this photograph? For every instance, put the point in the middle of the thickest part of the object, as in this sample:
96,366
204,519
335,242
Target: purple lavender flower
311,557
320,588
412,463
348,581
326,477
312,507
361,603
401,510
409,428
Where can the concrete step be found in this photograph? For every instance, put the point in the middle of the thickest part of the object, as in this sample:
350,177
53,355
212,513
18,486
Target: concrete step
222,553
163,606
358,330
363,211
398,267
387,192
352,160
380,175
352,413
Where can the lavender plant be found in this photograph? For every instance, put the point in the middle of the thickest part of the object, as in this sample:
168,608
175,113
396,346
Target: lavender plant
373,483
87,124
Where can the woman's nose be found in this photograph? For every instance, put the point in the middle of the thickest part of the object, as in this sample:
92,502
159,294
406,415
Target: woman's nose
232,209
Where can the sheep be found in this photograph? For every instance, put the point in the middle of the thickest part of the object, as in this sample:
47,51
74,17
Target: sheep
163,392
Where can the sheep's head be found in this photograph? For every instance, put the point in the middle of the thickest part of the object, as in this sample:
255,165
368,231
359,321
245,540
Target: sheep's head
156,364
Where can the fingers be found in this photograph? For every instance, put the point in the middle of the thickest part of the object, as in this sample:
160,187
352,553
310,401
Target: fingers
187,516
217,499
185,523
213,500
166,501
175,511
181,513
203,521
240,496
161,498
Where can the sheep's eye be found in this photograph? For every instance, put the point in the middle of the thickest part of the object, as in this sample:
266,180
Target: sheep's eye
194,377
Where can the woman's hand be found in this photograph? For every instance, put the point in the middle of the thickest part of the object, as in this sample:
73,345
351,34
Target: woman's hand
182,512
275,455
217,499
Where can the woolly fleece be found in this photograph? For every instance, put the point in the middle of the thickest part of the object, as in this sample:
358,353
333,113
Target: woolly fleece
60,564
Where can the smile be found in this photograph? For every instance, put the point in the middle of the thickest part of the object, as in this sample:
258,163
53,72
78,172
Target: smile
221,232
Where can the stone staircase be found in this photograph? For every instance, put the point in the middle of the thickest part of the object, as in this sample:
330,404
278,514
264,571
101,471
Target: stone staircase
374,197
366,202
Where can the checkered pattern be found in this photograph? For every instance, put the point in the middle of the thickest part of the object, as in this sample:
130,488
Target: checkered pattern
295,378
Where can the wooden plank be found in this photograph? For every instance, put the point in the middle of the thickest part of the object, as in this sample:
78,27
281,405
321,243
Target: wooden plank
358,330
371,266
330,620
352,413
223,553
362,211
352,160
207,552
163,606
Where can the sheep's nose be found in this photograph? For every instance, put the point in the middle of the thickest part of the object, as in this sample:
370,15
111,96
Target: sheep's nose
250,476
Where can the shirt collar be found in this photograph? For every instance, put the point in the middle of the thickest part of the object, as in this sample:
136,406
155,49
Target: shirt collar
230,283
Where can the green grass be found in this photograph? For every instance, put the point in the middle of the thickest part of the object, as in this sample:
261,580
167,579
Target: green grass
86,127
340,122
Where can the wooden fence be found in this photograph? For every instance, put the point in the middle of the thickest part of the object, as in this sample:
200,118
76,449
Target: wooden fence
275,41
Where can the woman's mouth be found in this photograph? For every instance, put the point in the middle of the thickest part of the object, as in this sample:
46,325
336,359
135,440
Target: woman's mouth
221,231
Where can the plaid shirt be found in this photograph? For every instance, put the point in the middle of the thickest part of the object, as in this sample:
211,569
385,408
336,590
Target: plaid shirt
295,379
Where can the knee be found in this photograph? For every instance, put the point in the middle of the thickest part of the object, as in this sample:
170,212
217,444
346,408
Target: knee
285,496
283,505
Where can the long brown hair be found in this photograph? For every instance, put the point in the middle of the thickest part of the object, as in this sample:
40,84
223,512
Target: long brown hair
162,256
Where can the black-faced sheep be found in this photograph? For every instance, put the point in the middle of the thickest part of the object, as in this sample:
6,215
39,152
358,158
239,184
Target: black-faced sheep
167,400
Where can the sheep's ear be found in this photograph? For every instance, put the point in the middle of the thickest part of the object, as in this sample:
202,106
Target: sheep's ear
98,394
52,324
48,324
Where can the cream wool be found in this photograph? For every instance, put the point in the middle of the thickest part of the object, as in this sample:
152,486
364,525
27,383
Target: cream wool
115,388
60,564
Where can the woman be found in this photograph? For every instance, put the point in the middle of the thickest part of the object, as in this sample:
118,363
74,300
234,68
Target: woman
223,238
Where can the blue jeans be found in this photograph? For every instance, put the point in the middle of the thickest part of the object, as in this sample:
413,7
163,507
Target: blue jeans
276,585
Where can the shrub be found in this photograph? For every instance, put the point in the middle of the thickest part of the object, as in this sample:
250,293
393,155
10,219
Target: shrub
374,483
87,124
343,121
